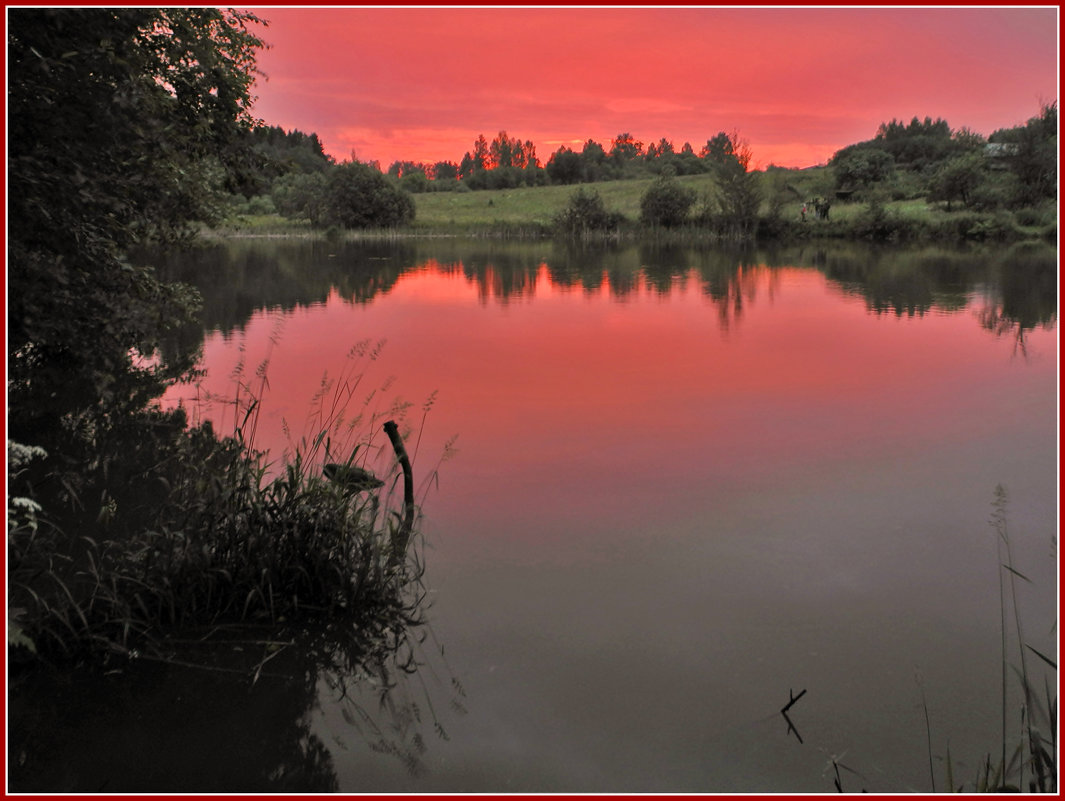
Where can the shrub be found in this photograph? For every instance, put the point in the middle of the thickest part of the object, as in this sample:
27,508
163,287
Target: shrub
193,533
666,203
877,223
857,166
586,212
445,185
300,195
1031,217
992,195
414,182
261,204
358,196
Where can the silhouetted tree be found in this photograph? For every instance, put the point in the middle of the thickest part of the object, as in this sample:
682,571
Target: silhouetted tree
739,192
719,149
595,160
444,170
565,166
502,151
625,148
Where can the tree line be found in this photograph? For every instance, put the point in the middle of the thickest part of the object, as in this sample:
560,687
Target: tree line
1013,168
507,162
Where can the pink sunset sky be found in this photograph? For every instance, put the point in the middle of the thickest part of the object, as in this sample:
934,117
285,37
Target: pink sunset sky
419,84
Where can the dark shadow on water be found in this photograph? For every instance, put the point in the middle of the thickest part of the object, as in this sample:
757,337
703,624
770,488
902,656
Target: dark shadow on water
227,710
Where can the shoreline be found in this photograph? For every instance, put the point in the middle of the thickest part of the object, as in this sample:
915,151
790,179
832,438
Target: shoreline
887,228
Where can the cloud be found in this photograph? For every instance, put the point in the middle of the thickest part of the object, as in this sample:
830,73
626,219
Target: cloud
642,105
379,78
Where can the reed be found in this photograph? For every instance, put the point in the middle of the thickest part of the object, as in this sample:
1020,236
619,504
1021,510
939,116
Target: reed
233,538
1026,759
1027,753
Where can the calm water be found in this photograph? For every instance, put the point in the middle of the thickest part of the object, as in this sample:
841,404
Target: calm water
674,486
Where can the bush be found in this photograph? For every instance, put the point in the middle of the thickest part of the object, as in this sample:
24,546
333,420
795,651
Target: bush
586,212
992,194
1032,217
877,223
445,185
860,166
666,203
261,205
358,196
415,182
997,227
191,532
300,195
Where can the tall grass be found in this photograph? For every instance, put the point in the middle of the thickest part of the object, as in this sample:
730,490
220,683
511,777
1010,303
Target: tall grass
1031,764
233,538
1026,757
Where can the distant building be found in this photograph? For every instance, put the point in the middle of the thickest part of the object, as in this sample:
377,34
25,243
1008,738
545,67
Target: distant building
996,154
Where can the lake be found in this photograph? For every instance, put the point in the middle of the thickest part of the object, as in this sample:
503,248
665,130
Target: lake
665,490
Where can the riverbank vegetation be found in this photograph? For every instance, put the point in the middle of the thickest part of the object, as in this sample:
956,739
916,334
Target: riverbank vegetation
132,126
912,182
1026,757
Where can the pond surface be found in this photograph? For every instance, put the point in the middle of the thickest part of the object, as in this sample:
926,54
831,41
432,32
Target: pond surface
673,487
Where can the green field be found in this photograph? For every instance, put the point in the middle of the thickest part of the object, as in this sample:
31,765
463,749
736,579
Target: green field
538,205
530,211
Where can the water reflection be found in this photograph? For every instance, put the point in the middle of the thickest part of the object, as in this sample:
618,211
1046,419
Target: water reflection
230,710
639,497
1017,287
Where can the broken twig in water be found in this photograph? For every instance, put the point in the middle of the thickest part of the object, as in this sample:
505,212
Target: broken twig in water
794,698
791,727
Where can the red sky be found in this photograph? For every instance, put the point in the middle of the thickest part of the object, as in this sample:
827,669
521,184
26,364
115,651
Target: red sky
420,84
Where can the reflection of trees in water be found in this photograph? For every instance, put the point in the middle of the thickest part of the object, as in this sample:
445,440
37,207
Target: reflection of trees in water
1018,286
1023,295
731,280
238,278
902,283
230,711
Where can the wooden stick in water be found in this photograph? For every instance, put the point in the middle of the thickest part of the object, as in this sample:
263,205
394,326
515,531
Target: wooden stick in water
402,536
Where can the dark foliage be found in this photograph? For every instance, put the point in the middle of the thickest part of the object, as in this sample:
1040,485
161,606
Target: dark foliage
124,125
585,212
1034,156
666,203
857,167
358,196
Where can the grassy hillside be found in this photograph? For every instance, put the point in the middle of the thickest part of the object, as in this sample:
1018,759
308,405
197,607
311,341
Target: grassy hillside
538,205
903,214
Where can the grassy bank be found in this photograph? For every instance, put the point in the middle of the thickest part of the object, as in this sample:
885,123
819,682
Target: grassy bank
148,526
530,212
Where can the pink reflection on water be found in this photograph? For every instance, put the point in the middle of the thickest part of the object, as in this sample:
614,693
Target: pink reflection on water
572,409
